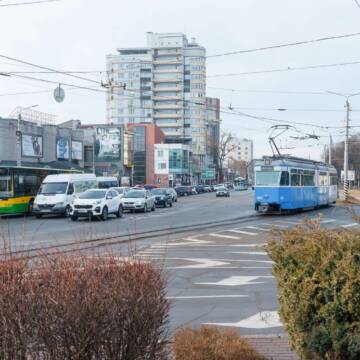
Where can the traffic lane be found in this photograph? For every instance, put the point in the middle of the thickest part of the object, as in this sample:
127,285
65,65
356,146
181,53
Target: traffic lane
219,278
30,231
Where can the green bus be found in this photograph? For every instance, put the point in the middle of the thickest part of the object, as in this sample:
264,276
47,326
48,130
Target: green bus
19,186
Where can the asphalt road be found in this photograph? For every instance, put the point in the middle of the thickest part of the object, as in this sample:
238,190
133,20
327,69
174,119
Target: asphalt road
219,274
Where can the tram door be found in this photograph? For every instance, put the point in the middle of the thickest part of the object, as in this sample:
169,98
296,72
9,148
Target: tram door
323,188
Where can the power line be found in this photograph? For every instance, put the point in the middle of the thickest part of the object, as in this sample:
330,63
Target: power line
285,45
310,67
29,3
47,68
287,92
357,3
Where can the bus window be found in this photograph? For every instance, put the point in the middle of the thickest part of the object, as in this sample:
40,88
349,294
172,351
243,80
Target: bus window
285,179
5,184
19,185
267,178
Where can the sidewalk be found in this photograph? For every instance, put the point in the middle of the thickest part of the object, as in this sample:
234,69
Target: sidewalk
272,346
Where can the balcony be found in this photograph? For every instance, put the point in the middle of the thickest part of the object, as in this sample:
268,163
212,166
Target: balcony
167,106
170,88
174,61
172,97
167,116
169,80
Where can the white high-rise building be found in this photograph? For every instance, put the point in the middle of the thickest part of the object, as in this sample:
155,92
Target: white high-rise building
242,150
165,84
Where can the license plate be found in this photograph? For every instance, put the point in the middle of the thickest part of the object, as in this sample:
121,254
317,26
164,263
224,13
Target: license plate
83,211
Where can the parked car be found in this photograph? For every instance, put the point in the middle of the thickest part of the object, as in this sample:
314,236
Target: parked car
163,197
183,190
121,190
174,194
223,192
96,202
200,189
57,192
138,200
229,185
218,186
150,187
193,190
207,188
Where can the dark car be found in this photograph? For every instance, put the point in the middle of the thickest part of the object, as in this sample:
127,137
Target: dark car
163,197
183,190
174,194
200,189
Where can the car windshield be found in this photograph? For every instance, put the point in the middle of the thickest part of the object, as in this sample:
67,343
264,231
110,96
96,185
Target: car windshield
158,191
53,188
93,194
135,194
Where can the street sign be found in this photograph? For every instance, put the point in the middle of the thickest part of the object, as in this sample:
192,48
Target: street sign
208,174
59,94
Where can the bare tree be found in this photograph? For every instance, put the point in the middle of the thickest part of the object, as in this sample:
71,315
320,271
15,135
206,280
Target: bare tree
239,167
226,146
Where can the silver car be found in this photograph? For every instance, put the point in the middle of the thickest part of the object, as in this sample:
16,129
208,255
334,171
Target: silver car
223,191
135,200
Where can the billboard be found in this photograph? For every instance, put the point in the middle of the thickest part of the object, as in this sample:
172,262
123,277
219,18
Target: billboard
32,145
62,148
108,143
76,150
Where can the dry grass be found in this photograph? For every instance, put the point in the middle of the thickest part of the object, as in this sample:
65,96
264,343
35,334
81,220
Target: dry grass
76,307
208,343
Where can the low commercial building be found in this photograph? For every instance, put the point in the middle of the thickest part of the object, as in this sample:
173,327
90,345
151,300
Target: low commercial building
31,144
173,164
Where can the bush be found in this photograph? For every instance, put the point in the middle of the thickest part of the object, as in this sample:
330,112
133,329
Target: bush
209,343
82,308
318,278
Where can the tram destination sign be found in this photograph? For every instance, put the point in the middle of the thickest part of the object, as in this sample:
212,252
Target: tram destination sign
267,168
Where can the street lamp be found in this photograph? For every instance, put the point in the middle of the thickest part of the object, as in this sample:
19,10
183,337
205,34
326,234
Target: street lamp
346,144
18,133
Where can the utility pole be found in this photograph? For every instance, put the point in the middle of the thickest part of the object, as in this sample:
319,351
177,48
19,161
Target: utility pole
346,143
346,151
330,151
93,153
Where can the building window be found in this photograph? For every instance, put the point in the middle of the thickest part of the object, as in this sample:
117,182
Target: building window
160,153
161,166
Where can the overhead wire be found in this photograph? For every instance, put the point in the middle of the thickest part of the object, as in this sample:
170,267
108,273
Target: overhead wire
28,3
278,46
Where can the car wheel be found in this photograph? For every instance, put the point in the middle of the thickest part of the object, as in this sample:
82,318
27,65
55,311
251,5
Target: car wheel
170,204
38,216
67,211
153,208
119,213
145,209
74,218
186,194
104,214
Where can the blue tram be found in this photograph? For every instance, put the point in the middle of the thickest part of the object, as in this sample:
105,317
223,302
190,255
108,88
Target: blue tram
285,184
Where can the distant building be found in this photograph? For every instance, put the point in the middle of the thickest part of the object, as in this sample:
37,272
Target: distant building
172,164
146,136
243,150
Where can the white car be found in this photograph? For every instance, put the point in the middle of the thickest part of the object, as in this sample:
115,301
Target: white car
121,190
138,200
96,202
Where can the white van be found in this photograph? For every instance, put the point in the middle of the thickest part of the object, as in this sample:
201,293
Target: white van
57,192
107,182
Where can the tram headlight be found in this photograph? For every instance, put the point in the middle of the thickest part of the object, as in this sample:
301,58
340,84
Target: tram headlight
259,197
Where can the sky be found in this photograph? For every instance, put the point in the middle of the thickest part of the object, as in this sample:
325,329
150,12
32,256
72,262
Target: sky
76,35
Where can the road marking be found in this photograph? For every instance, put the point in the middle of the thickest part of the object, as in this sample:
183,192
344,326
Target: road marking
349,225
201,264
237,281
262,320
250,252
249,245
257,228
205,297
225,236
327,221
243,232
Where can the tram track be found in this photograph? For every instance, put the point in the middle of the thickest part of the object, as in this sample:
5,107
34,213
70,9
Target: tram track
104,241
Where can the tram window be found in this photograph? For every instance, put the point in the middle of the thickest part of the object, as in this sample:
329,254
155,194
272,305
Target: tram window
267,178
322,179
285,179
295,180
333,180
308,180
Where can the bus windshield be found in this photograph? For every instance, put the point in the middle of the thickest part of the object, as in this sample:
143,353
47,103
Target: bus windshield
53,188
267,178
5,186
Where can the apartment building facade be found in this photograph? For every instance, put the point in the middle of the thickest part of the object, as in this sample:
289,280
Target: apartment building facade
163,83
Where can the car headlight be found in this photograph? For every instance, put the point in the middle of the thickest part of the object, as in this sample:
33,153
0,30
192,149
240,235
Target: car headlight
98,202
